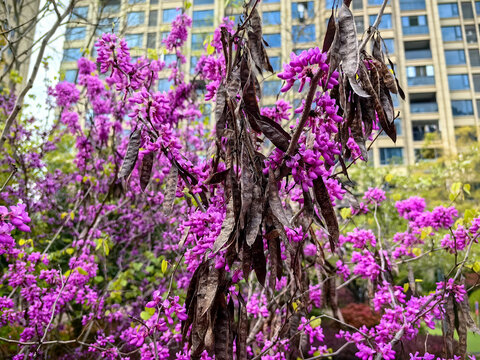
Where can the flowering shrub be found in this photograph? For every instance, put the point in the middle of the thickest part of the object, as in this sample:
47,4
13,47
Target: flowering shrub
154,239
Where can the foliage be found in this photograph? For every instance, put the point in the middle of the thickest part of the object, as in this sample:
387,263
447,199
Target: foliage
129,231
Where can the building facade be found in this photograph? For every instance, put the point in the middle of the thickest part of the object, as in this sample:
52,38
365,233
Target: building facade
18,20
434,45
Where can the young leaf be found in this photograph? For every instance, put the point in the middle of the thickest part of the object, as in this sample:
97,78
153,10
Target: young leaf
164,266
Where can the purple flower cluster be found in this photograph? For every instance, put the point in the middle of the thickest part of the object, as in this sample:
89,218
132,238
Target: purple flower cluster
411,207
360,238
302,67
374,196
179,33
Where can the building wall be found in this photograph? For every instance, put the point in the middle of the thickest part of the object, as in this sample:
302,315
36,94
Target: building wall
19,15
442,106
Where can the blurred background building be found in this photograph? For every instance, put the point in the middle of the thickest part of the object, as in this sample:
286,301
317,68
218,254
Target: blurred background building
433,44
18,20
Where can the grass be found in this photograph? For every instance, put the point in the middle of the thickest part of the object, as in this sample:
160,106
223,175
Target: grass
473,340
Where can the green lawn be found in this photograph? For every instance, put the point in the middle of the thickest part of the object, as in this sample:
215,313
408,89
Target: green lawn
473,340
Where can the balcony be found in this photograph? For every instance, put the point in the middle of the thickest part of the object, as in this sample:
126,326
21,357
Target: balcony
406,5
421,81
415,30
418,54
419,49
425,130
423,107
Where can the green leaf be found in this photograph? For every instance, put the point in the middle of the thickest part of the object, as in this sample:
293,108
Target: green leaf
150,311
466,188
145,315
476,266
70,251
406,286
164,266
106,249
315,322
455,188
82,271
210,49
345,213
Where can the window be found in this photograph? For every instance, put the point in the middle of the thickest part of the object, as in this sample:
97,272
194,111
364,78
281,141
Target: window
303,33
477,7
420,75
385,22
134,40
269,1
388,45
398,127
169,15
133,2
164,85
476,82
467,10
426,154
462,107
455,57
421,128
165,34
458,82
72,54
412,4
275,62
417,50
448,10
70,75
202,2
197,41
357,4
273,40
153,2
271,18
75,33
303,10
474,56
80,12
359,24
471,34
107,25
111,6
203,18
152,18
271,88
391,156
329,4
451,33
152,40
135,18
375,2
170,59
193,64
414,25
423,103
